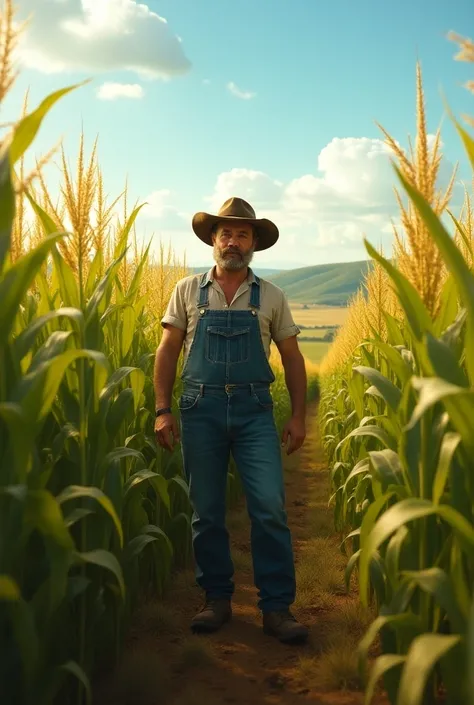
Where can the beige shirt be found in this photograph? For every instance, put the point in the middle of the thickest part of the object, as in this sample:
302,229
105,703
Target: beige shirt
274,315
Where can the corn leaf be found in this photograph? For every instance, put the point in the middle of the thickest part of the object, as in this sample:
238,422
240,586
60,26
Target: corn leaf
423,655
79,492
104,559
27,129
9,590
382,664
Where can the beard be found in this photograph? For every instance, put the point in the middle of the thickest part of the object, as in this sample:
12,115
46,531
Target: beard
232,262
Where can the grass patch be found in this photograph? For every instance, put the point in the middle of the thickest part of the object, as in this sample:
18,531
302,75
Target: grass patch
194,652
157,618
141,679
334,669
320,573
242,559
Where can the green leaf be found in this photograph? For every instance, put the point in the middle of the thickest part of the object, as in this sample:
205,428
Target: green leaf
382,664
424,653
79,491
7,204
159,483
449,306
448,447
107,560
402,513
25,341
374,431
79,674
9,590
16,281
458,402
387,466
395,359
42,512
453,259
27,128
444,362
438,583
38,389
389,392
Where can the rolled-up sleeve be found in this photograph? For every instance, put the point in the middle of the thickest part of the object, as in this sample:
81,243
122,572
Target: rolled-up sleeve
175,314
283,324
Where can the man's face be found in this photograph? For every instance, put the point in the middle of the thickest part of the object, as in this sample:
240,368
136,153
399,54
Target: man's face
234,245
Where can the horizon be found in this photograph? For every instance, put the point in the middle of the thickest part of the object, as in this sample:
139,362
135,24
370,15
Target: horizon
299,143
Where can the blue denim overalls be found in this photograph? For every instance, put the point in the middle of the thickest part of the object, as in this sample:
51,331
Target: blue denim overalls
226,406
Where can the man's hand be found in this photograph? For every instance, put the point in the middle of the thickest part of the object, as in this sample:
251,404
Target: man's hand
295,430
167,431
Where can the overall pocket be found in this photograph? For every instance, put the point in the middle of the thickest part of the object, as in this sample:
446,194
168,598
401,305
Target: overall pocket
227,345
264,398
188,400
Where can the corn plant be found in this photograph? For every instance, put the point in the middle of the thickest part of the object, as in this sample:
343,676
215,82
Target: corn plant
398,428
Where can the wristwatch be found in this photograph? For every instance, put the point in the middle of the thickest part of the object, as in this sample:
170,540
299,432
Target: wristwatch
160,412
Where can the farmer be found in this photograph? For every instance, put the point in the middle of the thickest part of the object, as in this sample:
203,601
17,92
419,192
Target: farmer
226,319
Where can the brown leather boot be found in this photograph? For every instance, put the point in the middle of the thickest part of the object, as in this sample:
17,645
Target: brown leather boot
284,626
214,614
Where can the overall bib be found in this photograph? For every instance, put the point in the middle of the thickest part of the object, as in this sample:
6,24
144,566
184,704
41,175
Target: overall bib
226,407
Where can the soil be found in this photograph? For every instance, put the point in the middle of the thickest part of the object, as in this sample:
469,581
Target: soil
240,664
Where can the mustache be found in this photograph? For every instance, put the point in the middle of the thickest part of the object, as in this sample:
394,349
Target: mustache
232,250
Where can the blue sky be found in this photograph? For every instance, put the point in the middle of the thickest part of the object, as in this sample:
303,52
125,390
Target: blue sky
296,135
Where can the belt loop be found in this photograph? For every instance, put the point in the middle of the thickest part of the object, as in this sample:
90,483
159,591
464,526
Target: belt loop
201,389
252,389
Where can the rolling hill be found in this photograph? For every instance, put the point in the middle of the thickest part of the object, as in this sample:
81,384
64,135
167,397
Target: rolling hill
323,284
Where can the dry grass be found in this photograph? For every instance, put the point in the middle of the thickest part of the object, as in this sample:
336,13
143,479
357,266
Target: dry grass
318,315
157,618
319,574
417,255
141,679
194,652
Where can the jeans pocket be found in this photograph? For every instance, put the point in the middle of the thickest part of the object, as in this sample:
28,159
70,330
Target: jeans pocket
264,398
188,401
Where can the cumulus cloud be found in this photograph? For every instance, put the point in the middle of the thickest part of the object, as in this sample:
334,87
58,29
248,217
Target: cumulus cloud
112,91
105,35
350,196
243,95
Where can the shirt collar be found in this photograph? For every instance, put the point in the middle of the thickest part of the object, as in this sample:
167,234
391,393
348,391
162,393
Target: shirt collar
209,278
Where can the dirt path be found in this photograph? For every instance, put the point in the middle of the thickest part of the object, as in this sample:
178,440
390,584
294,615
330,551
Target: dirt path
165,665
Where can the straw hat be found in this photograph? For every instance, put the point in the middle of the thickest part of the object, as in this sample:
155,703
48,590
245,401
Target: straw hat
238,210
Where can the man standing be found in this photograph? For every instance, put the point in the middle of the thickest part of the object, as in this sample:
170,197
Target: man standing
226,320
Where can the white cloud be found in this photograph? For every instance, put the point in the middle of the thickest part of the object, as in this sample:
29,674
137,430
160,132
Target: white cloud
325,216
243,95
322,217
100,35
112,91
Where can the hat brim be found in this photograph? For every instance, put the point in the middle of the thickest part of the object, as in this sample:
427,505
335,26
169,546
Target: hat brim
267,231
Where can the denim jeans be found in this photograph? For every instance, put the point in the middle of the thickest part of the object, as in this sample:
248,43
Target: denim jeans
214,424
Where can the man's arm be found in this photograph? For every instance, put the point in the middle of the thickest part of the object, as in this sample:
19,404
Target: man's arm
295,374
296,382
166,361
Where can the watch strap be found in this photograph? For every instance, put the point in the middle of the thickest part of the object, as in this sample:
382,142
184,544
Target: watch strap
160,412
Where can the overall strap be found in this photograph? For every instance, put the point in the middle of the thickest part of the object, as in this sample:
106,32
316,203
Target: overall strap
203,292
255,293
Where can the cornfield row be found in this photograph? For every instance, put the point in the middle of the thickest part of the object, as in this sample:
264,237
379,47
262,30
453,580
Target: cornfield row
397,423
93,515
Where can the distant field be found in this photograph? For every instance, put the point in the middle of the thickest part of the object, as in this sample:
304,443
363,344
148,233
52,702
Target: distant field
314,351
314,332
319,315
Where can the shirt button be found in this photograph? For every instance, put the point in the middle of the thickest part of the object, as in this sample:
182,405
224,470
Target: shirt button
226,306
